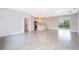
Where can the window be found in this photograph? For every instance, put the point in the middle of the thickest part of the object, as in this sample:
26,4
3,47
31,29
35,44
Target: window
64,23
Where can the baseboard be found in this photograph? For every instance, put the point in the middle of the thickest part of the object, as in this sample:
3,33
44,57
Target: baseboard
54,28
11,34
74,30
69,30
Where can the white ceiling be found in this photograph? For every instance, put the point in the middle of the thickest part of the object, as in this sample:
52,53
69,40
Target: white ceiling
47,12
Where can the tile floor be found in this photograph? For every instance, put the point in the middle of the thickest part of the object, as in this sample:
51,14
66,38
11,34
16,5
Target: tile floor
41,40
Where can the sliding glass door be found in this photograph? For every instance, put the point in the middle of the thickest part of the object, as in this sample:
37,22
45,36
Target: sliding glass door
64,23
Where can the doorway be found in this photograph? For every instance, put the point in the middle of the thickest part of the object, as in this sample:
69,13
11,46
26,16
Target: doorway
35,25
25,25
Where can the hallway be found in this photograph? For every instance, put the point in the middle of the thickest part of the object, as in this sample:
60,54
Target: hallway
43,40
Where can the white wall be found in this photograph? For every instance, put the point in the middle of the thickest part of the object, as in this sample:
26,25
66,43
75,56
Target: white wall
78,21
53,22
73,22
11,22
30,23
